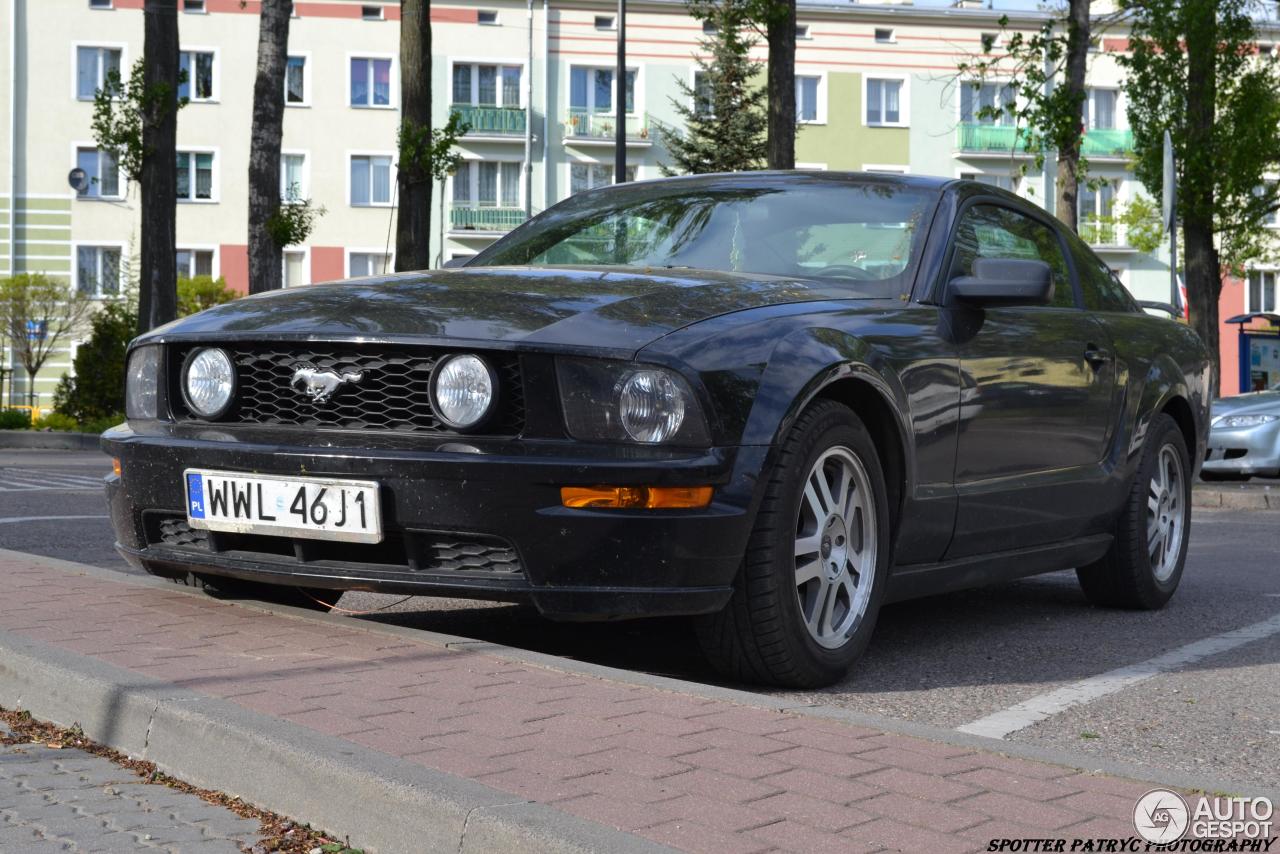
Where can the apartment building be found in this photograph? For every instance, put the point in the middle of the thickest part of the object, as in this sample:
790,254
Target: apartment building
876,88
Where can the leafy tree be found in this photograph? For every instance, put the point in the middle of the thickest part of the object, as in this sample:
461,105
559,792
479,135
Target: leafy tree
267,217
95,388
724,114
200,292
1193,70
36,314
137,123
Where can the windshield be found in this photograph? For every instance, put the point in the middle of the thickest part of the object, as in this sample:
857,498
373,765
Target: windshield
837,230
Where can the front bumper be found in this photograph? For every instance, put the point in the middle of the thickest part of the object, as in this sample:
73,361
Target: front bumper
494,505
1245,450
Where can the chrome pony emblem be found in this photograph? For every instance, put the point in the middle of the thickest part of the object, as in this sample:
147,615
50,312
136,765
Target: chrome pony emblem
320,385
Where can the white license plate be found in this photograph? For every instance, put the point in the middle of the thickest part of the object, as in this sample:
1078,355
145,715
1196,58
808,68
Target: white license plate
311,507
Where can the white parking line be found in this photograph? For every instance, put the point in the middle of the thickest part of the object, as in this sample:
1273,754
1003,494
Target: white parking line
9,520
1028,712
26,480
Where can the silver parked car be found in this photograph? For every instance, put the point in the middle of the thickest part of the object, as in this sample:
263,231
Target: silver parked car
1244,437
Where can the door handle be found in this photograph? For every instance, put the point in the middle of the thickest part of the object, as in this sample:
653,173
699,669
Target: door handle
1096,356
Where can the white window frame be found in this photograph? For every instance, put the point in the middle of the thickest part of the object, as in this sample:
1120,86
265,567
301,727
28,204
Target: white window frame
496,22
392,178
612,25
821,96
215,267
904,100
203,10
217,72
999,83
892,39
122,180
305,56
393,95
1019,182
816,167
588,161
887,168
305,252
77,245
304,192
475,78
215,177
474,200
390,254
75,64
638,96
803,33
1090,107
379,12
107,8
1264,270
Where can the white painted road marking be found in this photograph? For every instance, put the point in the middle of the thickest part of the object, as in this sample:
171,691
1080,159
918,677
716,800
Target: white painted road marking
9,520
26,480
1036,709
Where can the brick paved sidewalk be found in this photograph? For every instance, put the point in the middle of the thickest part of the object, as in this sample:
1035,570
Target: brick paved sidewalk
693,773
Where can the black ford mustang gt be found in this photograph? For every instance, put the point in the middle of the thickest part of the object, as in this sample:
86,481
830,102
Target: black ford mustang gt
776,401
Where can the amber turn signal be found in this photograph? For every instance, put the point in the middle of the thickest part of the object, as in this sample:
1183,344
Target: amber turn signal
115,466
648,497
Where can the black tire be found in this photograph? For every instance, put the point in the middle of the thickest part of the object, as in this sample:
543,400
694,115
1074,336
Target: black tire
761,636
1221,477
1125,577
312,598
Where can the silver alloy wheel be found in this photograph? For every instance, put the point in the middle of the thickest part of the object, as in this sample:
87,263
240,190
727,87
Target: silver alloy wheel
1166,513
835,549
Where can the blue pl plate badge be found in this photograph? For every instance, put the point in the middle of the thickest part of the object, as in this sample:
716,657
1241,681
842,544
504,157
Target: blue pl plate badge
195,496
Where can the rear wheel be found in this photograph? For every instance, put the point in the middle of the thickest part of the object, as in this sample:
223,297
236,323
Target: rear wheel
806,599
1144,564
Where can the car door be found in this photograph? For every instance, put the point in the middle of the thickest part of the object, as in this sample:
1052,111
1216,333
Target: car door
1036,395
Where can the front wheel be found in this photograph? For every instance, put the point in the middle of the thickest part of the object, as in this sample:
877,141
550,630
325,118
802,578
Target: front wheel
807,596
1144,564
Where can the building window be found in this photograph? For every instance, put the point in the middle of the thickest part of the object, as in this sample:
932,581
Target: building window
704,103
295,80
487,184
93,64
802,32
1101,110
709,28
1004,182
370,82
1097,204
588,176
884,102
197,67
368,264
487,85
1262,290
194,262
604,22
1271,219
99,4
195,176
193,6
98,270
987,103
293,178
370,179
807,89
488,17
884,35
371,13
294,272
102,173
989,41
591,89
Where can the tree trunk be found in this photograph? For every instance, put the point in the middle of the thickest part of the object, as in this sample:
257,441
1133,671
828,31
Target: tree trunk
413,219
265,259
781,36
1196,200
158,290
1078,26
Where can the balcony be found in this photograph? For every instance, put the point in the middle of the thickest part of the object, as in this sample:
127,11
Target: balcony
586,127
980,139
485,220
1107,143
1104,233
491,121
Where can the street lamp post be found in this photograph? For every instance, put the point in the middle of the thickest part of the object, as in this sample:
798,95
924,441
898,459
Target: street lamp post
620,102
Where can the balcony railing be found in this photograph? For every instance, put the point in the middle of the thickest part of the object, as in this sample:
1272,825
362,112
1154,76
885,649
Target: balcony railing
462,218
495,120
993,139
1107,143
1103,232
584,124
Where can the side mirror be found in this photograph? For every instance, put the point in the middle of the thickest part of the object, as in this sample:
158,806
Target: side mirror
1156,305
1005,281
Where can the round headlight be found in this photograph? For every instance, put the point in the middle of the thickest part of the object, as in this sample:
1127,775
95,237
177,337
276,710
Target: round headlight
652,406
209,382
463,389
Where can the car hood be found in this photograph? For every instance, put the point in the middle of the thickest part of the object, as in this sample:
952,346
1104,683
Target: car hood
615,308
1257,402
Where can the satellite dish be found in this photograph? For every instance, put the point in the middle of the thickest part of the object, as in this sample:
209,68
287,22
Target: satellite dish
78,179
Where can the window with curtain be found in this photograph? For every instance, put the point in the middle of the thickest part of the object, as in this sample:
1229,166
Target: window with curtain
487,85
1262,290
370,180
295,80
807,99
93,64
195,176
197,66
487,194
194,262
1102,109
462,84
98,270
703,99
977,102
294,272
102,172
370,82
292,177
588,176
591,89
883,102
368,264
462,184
1095,203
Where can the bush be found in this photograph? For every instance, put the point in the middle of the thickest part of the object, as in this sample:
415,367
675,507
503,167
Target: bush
97,389
200,292
100,425
14,419
56,421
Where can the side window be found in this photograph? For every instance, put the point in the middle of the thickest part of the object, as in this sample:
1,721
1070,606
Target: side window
989,231
1102,290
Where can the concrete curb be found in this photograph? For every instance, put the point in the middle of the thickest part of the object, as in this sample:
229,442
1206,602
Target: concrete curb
928,732
380,802
1238,497
49,440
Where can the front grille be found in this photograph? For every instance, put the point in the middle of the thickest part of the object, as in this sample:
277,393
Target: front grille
393,392
438,552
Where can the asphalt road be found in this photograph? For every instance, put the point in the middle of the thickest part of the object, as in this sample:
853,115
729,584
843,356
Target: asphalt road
1211,707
